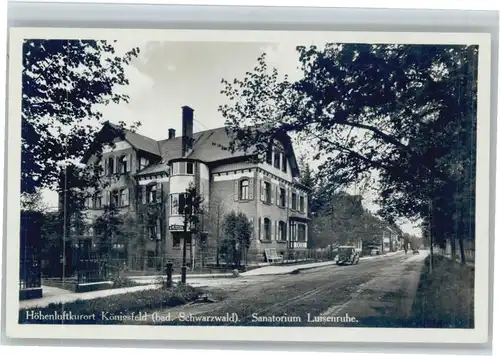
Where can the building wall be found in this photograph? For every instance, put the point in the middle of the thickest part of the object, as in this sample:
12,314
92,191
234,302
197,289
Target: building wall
225,185
219,187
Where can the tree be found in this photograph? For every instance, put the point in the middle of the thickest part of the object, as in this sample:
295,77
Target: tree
64,81
193,209
33,201
109,229
237,236
216,214
404,112
306,173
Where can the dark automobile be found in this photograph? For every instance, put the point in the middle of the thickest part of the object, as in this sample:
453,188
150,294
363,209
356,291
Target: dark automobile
347,255
416,252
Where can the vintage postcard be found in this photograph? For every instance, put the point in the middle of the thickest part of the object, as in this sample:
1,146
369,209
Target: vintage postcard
248,185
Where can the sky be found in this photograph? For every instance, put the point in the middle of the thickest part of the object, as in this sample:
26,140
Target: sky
169,75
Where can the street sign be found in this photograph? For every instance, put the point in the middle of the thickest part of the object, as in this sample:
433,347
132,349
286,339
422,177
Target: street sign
176,228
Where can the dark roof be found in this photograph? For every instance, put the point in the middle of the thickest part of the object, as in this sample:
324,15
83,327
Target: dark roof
140,142
154,169
208,146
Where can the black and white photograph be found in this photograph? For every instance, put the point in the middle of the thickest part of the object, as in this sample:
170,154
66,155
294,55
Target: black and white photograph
250,185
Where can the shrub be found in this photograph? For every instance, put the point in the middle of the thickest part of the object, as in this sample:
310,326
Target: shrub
122,304
123,282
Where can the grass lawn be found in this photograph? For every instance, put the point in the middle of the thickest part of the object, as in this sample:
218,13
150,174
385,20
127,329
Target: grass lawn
102,310
445,297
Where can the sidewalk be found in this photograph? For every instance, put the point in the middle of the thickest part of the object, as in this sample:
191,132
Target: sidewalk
61,297
152,279
57,295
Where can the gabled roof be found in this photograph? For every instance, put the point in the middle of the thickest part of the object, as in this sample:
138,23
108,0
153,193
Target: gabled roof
208,146
138,141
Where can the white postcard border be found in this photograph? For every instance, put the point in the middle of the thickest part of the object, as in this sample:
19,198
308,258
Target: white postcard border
240,333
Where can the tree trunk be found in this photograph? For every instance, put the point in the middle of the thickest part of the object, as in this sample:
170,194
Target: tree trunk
462,251
453,245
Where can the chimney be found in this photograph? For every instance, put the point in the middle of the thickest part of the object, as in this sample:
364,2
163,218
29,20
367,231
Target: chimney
187,129
171,133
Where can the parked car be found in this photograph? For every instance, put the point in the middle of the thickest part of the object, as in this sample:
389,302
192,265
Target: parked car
416,252
347,255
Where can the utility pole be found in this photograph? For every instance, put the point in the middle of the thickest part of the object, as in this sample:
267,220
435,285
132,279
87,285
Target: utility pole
65,228
431,261
218,237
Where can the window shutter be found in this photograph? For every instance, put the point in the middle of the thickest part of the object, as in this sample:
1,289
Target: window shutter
252,227
251,188
105,172
235,192
262,232
262,197
272,192
116,164
158,229
276,230
289,194
159,192
105,197
131,201
129,163
143,194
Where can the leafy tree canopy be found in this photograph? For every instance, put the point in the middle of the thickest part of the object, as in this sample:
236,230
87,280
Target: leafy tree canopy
404,112
64,81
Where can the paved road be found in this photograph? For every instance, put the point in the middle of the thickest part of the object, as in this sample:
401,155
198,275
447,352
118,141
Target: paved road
376,292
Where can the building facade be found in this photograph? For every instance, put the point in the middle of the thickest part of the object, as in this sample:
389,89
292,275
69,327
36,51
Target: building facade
140,171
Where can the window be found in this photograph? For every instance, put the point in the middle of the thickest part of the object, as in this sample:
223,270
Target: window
143,163
244,186
111,165
293,230
294,201
282,231
282,197
176,241
284,163
267,229
123,164
151,193
269,156
267,192
97,203
301,233
277,159
182,168
152,232
178,204
124,197
115,198
301,204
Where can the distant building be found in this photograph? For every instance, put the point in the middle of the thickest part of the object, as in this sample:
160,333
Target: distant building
147,170
391,240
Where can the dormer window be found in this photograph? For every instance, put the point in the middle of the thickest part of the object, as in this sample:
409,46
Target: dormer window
277,159
143,163
269,156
